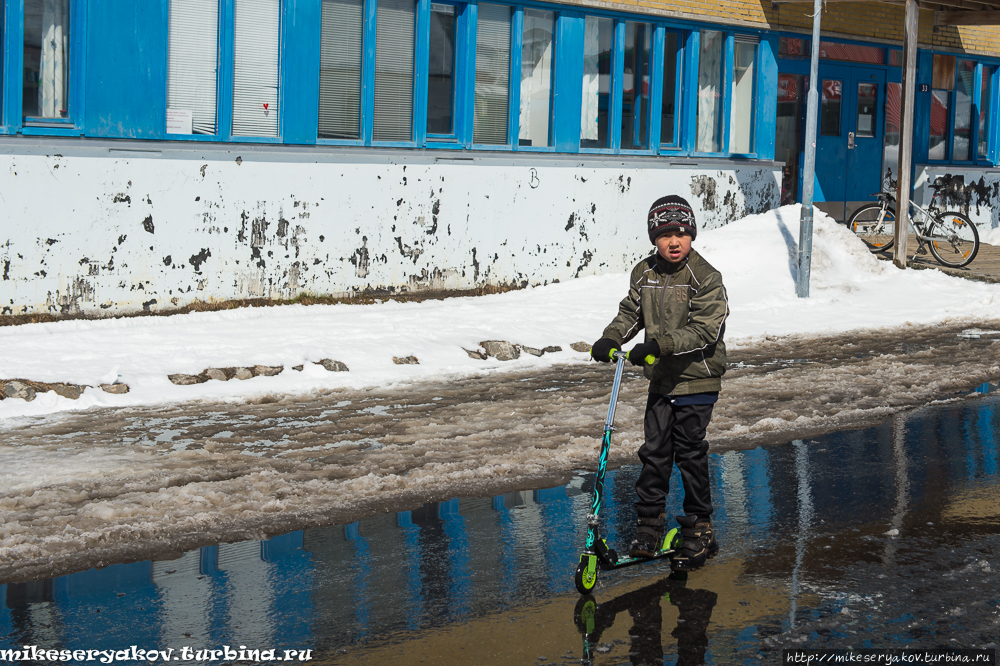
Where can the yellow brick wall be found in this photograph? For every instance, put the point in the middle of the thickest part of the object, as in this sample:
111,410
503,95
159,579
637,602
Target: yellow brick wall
870,20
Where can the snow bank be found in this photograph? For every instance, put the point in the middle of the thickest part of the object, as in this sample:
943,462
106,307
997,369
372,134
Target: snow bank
850,290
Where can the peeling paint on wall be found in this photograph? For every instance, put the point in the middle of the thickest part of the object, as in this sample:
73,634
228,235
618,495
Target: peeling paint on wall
974,192
265,228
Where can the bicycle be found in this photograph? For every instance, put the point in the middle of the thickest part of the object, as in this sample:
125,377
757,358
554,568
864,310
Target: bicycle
951,237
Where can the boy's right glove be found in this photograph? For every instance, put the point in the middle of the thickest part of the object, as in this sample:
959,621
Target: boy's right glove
644,353
602,350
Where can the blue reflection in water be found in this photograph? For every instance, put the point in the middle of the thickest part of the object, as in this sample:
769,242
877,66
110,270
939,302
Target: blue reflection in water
446,562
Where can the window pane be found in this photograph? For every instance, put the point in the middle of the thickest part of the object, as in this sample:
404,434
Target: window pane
943,73
635,86
492,74
255,67
441,70
394,70
984,109
867,97
890,150
668,113
938,149
793,46
598,41
791,89
192,64
46,59
961,149
741,115
852,52
829,115
340,69
536,77
709,136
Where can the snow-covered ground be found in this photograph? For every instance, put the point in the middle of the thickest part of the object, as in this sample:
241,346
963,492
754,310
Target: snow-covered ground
850,289
90,487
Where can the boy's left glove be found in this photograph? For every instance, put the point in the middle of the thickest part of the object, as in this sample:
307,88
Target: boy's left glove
644,353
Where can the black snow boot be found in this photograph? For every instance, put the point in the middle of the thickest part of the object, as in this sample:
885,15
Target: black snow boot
698,545
648,536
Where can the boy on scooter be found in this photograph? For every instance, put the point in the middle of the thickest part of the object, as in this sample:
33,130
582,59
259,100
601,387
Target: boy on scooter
680,301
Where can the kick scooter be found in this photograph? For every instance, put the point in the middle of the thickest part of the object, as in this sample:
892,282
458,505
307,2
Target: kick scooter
598,554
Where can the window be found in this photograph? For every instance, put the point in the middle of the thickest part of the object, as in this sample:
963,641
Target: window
598,42
257,36
340,69
709,135
793,46
668,104
192,66
867,97
394,70
45,91
441,71
492,74
787,130
961,149
942,84
635,86
830,105
984,109
741,114
890,150
874,55
537,35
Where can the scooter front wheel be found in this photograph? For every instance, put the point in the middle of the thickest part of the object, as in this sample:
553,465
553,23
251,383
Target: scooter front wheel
586,574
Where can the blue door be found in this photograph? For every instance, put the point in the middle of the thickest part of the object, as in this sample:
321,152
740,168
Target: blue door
849,138
866,129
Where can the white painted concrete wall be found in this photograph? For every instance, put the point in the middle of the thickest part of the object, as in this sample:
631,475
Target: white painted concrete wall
118,228
974,191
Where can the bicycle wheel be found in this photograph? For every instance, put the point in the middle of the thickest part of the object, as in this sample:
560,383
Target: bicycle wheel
875,228
954,239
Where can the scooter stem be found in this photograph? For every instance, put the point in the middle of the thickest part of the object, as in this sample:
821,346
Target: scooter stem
602,463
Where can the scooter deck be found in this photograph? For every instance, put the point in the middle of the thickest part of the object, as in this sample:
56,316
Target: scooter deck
623,562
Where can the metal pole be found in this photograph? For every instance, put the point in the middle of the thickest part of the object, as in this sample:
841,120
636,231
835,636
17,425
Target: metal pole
906,133
809,169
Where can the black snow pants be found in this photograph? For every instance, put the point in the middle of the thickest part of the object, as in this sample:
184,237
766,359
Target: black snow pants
674,434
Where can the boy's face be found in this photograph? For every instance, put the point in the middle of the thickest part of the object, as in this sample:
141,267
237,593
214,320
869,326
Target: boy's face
674,246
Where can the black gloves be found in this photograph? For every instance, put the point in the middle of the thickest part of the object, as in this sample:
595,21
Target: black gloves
641,353
602,350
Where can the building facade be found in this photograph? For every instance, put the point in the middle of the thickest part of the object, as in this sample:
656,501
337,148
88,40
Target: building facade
170,151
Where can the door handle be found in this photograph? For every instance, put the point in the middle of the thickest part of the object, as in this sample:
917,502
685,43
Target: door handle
850,140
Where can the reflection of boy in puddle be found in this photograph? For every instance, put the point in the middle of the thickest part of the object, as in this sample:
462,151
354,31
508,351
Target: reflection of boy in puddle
694,613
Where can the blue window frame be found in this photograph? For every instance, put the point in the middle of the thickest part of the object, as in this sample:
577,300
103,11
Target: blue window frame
961,126
45,42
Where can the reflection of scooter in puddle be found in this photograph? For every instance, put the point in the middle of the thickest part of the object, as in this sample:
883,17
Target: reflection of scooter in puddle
695,612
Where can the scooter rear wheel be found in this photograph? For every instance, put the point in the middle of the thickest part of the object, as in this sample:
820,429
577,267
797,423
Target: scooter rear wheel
586,574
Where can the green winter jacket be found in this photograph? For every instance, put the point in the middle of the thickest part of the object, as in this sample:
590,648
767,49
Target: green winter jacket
684,308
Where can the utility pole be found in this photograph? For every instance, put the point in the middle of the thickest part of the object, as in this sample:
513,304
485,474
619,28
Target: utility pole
908,99
809,169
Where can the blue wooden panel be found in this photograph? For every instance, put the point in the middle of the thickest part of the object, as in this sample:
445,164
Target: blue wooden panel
125,79
300,70
656,88
977,104
767,97
689,101
922,108
516,42
568,94
728,62
368,73
12,65
617,78
227,28
422,47
465,73
994,119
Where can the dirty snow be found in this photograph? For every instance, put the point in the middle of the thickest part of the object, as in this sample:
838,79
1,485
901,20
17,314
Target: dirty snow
850,290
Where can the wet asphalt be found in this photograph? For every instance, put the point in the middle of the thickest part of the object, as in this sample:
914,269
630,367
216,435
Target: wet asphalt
881,537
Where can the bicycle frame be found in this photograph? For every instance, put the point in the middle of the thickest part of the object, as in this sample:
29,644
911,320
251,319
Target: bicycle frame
920,222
